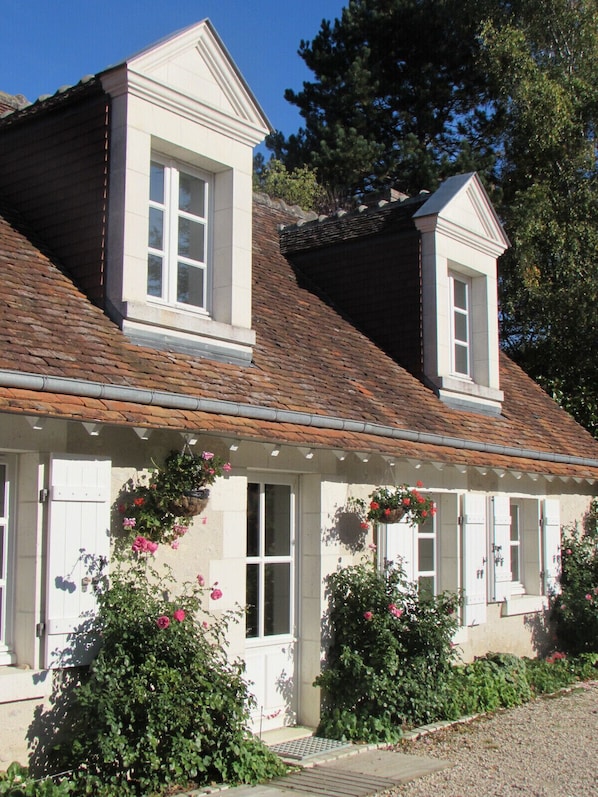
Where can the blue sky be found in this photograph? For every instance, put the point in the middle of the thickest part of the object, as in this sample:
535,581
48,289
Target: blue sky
51,43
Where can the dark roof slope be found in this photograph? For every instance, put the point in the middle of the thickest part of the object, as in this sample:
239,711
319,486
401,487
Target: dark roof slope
307,360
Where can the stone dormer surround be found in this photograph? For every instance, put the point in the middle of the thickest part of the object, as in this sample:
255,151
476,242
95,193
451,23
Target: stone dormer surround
388,267
183,99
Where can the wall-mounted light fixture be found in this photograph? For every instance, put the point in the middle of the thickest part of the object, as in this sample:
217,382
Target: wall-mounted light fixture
92,429
143,434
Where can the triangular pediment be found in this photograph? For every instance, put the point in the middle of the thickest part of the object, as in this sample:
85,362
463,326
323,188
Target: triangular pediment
461,203
195,64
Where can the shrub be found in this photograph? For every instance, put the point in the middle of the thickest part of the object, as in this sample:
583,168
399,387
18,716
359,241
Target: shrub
161,704
574,611
16,782
498,680
390,655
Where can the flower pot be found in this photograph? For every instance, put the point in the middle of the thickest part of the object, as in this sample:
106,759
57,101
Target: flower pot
191,503
393,516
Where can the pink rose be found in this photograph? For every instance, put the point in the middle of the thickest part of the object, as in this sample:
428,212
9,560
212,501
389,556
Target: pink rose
175,544
201,580
207,455
151,547
138,544
163,621
216,594
589,597
367,615
227,467
179,615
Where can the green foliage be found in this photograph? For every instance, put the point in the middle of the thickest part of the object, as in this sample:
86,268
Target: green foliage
414,506
574,611
497,680
298,186
390,654
154,506
161,704
16,782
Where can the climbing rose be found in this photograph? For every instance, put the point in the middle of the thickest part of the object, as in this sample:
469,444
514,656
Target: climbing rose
207,455
227,467
179,615
216,594
394,610
175,544
368,615
163,621
201,580
589,597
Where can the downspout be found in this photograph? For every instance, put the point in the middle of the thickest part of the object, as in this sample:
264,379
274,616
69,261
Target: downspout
181,401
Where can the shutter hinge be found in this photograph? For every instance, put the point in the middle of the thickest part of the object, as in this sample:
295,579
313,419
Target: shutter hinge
460,520
43,495
40,630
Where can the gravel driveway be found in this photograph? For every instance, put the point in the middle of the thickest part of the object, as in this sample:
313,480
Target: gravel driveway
546,748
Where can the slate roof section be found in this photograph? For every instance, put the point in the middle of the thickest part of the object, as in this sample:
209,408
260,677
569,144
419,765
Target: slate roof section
314,381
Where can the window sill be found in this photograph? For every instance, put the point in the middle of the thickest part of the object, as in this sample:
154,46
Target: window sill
523,604
19,684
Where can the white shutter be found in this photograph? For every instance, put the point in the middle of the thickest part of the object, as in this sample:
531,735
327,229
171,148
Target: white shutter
400,546
551,545
475,555
501,552
78,535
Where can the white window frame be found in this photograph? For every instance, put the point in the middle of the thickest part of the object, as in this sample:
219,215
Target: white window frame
517,585
6,566
465,312
431,534
169,251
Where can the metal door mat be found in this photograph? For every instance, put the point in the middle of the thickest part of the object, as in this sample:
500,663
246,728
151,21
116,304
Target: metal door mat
307,747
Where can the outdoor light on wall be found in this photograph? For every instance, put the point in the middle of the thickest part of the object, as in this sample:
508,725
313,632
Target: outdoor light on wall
390,461
233,447
189,438
36,423
92,429
307,453
362,456
272,449
340,455
142,434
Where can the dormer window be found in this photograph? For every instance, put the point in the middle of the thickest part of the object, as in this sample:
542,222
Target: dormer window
460,292
178,238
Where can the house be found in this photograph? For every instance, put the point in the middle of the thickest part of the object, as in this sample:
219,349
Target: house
149,300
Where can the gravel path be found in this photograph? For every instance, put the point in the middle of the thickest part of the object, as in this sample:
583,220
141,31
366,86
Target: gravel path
546,748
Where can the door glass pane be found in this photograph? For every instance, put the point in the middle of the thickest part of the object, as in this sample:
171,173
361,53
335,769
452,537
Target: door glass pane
252,594
191,239
426,554
190,285
278,520
192,194
426,586
156,229
154,275
157,183
514,563
253,519
277,599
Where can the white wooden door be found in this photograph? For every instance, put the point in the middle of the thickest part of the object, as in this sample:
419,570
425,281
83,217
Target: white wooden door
78,543
271,644
500,553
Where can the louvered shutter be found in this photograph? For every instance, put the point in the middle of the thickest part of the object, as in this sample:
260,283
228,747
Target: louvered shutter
475,555
551,545
78,535
501,554
400,545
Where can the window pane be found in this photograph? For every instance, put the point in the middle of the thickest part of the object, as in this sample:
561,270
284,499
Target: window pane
514,563
461,327
2,490
156,229
461,360
252,596
157,183
192,195
277,603
278,520
190,285
191,240
460,294
253,520
426,586
426,554
154,275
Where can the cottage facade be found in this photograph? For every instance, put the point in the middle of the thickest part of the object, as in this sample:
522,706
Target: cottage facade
149,300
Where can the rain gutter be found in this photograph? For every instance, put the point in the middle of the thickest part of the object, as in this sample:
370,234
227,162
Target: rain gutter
180,401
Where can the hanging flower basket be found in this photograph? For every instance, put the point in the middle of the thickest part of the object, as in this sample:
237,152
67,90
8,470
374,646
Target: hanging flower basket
391,515
389,505
191,503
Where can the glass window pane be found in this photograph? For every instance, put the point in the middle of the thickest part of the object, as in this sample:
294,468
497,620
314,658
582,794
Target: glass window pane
192,194
461,327
252,592
157,183
156,229
154,275
2,490
514,523
278,520
514,563
460,294
190,285
461,360
253,519
277,600
426,586
426,554
191,240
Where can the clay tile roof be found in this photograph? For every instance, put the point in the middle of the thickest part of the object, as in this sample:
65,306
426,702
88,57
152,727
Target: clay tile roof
314,380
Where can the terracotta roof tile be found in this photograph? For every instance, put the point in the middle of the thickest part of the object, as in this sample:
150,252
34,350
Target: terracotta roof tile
307,359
